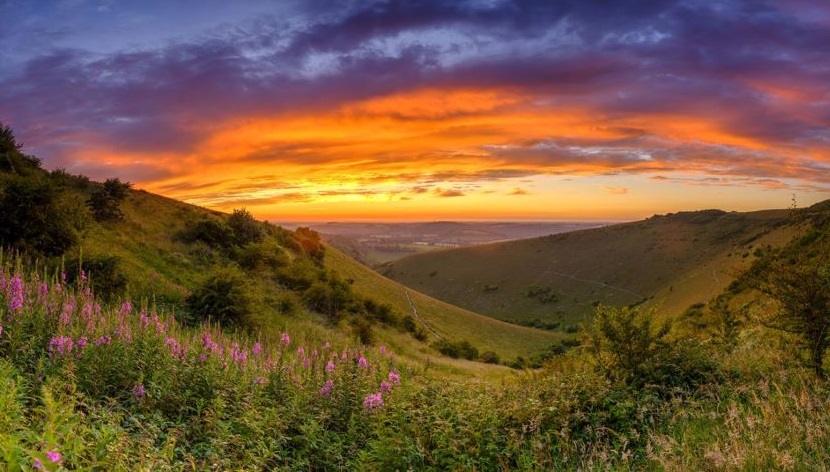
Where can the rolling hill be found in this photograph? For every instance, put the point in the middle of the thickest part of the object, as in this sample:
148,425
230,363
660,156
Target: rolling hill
673,261
162,267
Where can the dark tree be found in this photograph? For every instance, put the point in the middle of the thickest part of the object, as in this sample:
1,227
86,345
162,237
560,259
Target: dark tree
244,227
37,215
105,201
801,287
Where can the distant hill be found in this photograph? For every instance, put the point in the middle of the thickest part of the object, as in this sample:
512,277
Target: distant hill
673,261
376,243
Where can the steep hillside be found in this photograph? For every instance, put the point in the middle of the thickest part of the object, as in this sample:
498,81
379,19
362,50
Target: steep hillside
672,260
160,264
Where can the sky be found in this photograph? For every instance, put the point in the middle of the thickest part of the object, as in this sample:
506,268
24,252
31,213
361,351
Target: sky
345,110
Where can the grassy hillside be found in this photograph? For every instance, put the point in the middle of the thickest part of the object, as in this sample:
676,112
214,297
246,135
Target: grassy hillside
673,261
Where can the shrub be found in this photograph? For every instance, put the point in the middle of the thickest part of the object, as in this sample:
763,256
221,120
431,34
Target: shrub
37,215
224,297
244,227
105,200
264,255
489,357
210,231
457,349
104,272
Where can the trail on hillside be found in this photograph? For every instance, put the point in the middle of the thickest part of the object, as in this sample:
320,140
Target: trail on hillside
415,312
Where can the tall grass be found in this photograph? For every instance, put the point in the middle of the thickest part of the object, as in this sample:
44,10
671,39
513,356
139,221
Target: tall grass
122,386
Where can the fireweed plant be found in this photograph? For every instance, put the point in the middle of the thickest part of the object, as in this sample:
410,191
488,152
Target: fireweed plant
67,357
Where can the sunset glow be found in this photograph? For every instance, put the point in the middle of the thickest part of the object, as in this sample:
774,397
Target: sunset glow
430,110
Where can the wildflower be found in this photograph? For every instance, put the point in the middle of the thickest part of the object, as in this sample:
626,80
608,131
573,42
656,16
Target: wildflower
301,351
362,362
306,363
54,456
208,343
383,349
138,391
260,381
373,401
126,308
68,309
143,319
285,340
83,276
327,387
202,358
103,341
44,290
36,464
1,330
256,349
81,342
314,354
385,387
60,345
330,367
16,294
394,377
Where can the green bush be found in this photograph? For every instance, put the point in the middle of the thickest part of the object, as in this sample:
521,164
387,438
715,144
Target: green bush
245,228
104,272
224,297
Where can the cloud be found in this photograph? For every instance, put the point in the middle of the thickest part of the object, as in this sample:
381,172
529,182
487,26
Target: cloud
451,192
518,191
437,93
616,190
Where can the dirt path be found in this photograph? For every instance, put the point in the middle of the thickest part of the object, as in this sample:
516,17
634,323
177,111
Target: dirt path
415,312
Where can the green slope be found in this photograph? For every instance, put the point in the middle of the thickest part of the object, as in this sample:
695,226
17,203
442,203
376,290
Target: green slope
674,260
156,263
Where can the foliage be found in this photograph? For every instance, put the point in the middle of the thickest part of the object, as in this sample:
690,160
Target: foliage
626,347
224,297
457,349
307,241
37,215
245,228
104,273
800,284
105,200
210,231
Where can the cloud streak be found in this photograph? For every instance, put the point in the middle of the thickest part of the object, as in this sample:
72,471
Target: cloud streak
432,94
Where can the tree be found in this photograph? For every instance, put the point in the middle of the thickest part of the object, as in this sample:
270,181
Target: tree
624,343
800,284
12,160
105,201
244,227
37,215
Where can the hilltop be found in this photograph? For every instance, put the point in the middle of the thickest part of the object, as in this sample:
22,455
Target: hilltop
672,261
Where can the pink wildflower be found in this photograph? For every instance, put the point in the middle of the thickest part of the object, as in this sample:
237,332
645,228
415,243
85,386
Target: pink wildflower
81,342
285,340
373,401
126,308
330,367
362,362
326,389
385,387
1,330
138,391
54,456
383,349
394,377
36,464
301,351
16,294
260,381
60,345
103,341
256,349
